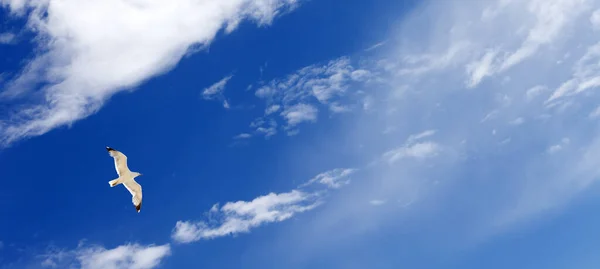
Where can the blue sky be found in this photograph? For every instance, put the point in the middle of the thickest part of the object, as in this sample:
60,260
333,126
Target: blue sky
300,134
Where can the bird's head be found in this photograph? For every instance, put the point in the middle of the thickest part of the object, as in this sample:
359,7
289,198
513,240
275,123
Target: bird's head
136,174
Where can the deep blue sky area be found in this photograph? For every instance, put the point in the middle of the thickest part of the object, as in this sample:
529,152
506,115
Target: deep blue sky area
451,158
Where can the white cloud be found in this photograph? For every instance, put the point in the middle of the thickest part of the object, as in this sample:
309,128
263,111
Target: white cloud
94,49
480,69
534,92
243,136
554,149
272,109
418,151
266,128
415,137
7,38
550,20
300,94
300,113
558,147
267,131
322,82
241,216
517,121
375,46
129,256
586,75
490,116
338,108
360,75
216,90
411,149
334,179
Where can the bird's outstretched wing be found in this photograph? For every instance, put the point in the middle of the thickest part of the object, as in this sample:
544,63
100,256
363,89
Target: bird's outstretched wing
120,160
136,192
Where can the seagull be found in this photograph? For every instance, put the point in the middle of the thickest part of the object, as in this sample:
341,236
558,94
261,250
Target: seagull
126,177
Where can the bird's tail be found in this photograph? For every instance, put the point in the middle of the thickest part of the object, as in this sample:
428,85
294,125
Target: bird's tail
114,182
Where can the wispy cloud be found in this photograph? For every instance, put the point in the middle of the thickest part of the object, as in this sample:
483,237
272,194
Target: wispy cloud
264,127
241,216
416,137
557,147
550,21
243,136
300,94
7,38
535,91
517,121
416,65
216,90
299,113
129,256
323,82
272,109
411,149
586,75
334,179
418,151
375,46
88,57
479,69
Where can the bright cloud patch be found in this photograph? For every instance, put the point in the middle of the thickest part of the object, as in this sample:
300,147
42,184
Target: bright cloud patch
241,216
130,256
243,136
322,82
93,49
411,149
299,95
7,38
334,178
272,109
415,137
299,113
586,75
215,91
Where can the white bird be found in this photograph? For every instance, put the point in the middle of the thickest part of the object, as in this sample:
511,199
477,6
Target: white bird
126,177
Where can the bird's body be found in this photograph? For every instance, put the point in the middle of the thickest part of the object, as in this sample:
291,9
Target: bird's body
126,177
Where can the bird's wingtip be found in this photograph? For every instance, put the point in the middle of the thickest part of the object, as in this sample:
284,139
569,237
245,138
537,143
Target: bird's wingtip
109,148
138,207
